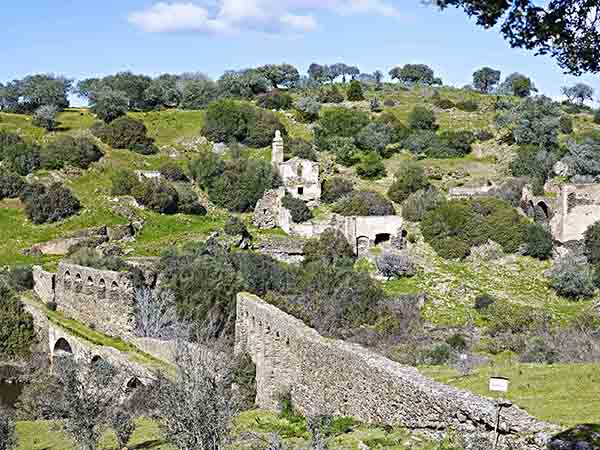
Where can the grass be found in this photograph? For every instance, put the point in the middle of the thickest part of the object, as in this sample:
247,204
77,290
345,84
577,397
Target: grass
564,394
168,126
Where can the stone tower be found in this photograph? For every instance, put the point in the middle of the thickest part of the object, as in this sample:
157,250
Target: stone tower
277,154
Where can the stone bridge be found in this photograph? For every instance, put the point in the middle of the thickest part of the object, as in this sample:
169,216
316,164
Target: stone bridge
327,376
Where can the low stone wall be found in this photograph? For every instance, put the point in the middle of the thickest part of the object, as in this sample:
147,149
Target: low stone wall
101,299
43,284
327,376
283,248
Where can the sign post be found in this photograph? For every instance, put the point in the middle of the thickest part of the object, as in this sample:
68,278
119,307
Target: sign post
499,384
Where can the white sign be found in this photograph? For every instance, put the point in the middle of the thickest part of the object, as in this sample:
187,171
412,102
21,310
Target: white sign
499,384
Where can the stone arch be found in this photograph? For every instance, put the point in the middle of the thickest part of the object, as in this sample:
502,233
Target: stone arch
363,243
545,209
78,283
114,286
101,288
90,282
132,384
61,347
67,280
96,359
380,238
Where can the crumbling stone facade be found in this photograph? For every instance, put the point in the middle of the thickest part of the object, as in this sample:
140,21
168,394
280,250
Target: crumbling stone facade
287,249
326,376
99,298
470,192
43,284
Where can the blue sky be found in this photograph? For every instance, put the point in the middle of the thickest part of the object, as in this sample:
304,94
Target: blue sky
81,39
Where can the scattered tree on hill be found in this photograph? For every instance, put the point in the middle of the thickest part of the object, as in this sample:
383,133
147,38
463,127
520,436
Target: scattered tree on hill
571,277
486,79
280,75
567,30
355,92
49,204
242,84
329,248
46,117
17,332
317,72
80,151
126,133
34,91
422,118
364,203
539,241
198,94
109,105
371,166
414,74
410,178
578,93
517,85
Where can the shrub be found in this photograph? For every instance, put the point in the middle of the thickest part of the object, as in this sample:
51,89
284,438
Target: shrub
45,117
336,188
298,209
67,150
597,117
11,185
308,109
126,133
22,158
592,243
484,301
410,178
109,105
89,257
275,100
375,105
539,241
262,126
421,118
346,153
17,332
331,247
395,265
419,203
389,103
235,227
187,201
439,355
444,103
158,195
355,92
301,149
49,204
566,124
484,135
538,350
330,95
457,342
364,203
468,106
206,169
124,182
455,144
374,137
340,122
20,278
572,278
371,167
419,142
172,172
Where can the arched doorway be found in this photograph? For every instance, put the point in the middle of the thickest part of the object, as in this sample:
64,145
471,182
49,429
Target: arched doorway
382,237
62,346
363,243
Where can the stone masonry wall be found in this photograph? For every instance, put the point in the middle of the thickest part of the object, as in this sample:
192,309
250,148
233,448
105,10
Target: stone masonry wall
327,376
43,284
578,207
99,298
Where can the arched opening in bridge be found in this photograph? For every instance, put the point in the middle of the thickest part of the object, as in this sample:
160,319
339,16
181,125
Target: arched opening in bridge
96,359
62,347
90,282
133,384
544,208
382,237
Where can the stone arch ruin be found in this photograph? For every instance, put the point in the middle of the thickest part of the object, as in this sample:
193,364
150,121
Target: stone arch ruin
363,243
382,237
62,347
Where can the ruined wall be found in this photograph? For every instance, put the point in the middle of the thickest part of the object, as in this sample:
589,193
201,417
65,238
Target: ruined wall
301,178
327,376
99,298
578,207
468,192
283,248
43,284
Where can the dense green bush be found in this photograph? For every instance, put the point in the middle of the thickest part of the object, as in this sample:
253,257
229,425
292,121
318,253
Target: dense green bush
420,202
422,118
484,301
228,120
21,157
242,183
17,332
572,278
126,133
455,227
307,109
206,169
375,105
399,131
364,203
355,91
339,122
124,182
419,142
301,149
566,124
371,166
19,278
187,200
336,188
331,247
158,195
11,184
539,241
454,144
468,106
409,178
67,150
346,153
533,162
297,208
235,227
443,103
592,243
172,172
330,95
375,137
90,257
49,204
275,100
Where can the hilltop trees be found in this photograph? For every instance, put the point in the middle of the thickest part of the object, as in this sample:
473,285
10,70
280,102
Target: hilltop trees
321,73
518,85
414,74
109,105
485,79
34,91
278,75
579,93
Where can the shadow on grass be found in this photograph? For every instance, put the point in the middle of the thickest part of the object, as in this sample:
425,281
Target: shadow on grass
147,445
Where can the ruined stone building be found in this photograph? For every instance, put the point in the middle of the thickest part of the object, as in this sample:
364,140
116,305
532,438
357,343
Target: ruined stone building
300,176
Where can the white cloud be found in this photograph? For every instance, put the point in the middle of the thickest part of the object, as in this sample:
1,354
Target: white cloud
271,16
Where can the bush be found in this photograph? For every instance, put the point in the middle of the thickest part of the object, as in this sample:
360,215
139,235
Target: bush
11,185
468,106
597,117
389,103
339,122
484,135
346,153
566,124
45,117
457,342
126,133
457,226
355,92
375,105
66,150
17,332
592,243
374,137
572,278
89,257
22,158
455,144
419,203
331,247
172,172
158,195
49,204
439,355
364,203
235,227
262,126
539,241
187,201
109,105
302,149
330,95
336,188
443,103
421,118
395,265
419,142
275,100
371,167
307,109
298,209
484,301
20,278
206,169
124,182
410,178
